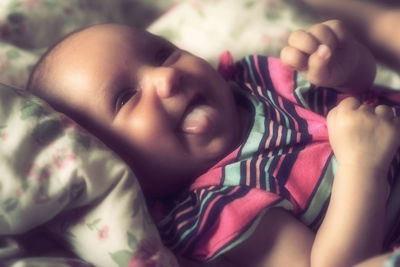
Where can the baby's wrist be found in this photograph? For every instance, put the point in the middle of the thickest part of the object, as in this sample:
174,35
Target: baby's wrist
364,169
363,178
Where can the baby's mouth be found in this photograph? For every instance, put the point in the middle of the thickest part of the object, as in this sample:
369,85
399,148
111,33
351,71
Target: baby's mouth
199,118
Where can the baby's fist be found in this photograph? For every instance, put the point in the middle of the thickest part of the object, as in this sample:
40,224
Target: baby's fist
326,54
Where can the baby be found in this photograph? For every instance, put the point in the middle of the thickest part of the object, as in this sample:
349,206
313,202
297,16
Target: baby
243,162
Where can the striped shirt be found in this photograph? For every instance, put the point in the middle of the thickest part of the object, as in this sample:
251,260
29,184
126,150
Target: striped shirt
286,161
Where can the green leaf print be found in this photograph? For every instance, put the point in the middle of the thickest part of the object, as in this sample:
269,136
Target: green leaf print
50,4
3,222
31,109
249,4
137,204
81,139
77,188
121,257
272,16
10,204
92,225
132,241
48,131
16,18
170,34
13,54
14,5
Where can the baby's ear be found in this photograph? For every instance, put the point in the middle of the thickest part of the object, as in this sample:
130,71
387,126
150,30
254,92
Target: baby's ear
226,65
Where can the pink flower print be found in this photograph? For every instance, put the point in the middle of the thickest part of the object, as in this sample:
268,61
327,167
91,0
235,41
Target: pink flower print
62,158
144,256
39,173
5,136
66,123
135,262
32,3
103,233
19,192
41,199
265,38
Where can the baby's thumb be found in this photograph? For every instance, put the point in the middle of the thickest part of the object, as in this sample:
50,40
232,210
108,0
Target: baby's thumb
331,116
318,69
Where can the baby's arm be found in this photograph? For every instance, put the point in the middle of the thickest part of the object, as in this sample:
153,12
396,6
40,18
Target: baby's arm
327,55
364,140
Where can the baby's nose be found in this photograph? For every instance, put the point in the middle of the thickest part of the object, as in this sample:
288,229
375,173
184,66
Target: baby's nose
167,81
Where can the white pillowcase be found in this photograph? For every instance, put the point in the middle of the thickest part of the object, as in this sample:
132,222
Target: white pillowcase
52,170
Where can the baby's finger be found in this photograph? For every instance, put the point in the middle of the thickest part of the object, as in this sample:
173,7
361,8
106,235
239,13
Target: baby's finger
294,58
325,35
351,103
384,111
303,41
318,69
338,29
367,108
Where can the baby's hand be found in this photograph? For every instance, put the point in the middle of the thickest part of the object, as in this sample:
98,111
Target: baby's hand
364,135
329,56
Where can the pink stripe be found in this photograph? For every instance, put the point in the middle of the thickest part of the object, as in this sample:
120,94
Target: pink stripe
278,166
258,172
260,90
282,78
279,135
304,176
232,220
278,115
248,176
211,205
257,65
316,123
271,130
213,176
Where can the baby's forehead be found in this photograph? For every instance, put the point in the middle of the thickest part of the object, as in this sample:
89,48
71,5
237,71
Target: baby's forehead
107,32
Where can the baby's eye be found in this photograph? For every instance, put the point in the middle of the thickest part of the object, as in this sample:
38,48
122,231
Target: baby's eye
162,55
123,98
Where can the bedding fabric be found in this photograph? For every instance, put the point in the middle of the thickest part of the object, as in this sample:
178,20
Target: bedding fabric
56,176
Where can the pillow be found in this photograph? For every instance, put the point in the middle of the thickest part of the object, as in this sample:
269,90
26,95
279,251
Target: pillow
28,27
56,175
16,64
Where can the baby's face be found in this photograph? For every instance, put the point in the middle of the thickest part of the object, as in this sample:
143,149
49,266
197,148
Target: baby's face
168,113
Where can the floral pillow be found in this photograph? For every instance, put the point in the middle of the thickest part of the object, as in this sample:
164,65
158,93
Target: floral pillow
28,27
56,175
